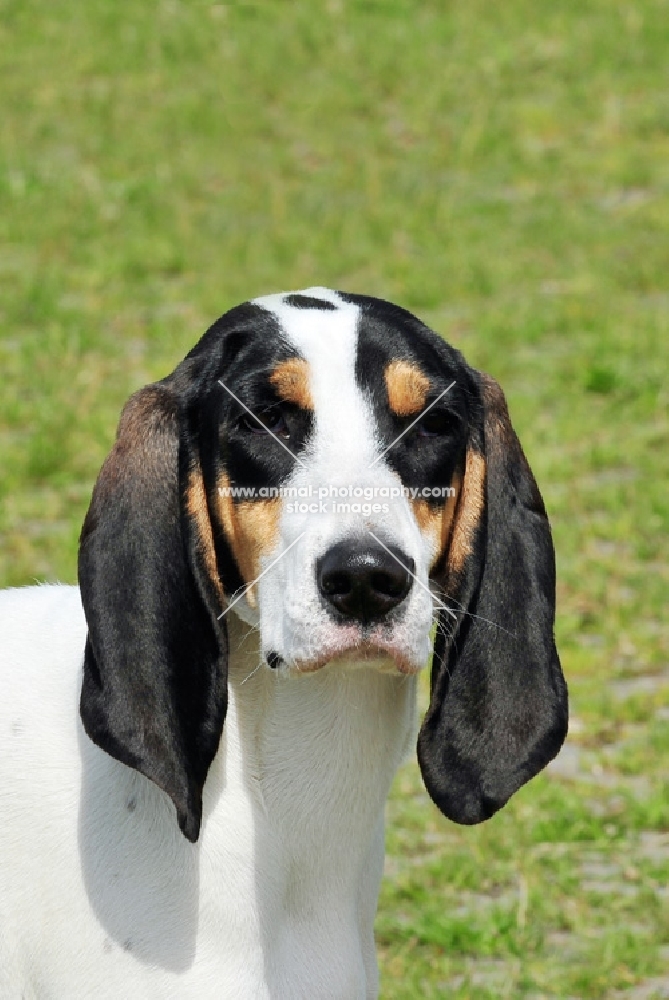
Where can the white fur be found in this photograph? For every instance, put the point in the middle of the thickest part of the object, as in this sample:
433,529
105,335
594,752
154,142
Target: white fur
101,895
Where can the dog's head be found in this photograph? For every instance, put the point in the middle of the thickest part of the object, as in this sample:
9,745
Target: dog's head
329,469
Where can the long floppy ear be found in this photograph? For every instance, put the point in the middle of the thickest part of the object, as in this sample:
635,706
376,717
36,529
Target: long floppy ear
498,707
154,691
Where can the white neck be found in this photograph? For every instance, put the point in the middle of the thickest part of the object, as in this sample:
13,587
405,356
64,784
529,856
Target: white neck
303,773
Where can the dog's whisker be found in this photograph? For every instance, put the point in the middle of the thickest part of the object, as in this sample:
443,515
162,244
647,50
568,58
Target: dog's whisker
472,614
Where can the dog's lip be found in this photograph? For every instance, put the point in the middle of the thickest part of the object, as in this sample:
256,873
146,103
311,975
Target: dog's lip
370,652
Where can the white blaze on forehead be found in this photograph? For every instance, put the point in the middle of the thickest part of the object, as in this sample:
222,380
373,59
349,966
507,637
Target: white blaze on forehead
328,340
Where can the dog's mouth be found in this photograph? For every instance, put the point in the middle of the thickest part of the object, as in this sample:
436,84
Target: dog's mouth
380,655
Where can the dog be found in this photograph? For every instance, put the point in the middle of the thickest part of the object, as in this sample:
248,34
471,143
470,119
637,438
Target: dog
196,745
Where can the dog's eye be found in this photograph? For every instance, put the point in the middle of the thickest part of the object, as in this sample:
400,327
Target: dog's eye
435,423
270,420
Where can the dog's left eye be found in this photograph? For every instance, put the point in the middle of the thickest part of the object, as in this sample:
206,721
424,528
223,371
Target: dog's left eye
435,423
270,420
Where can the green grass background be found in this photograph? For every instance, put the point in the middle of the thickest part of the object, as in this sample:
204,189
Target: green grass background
503,171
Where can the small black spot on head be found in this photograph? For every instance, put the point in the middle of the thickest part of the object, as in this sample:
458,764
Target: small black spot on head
308,302
273,659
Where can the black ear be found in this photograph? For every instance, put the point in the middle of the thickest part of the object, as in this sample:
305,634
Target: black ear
498,708
154,691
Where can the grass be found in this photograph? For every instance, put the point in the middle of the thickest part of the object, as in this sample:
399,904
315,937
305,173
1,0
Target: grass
503,171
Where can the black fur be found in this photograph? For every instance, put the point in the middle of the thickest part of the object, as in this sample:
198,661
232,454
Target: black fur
498,707
154,692
308,302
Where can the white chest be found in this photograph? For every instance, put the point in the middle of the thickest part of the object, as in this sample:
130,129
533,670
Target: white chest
276,900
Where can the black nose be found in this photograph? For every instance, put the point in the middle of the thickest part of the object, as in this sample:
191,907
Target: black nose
362,579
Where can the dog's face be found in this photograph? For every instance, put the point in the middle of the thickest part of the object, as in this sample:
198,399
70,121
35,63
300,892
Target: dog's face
341,429
329,469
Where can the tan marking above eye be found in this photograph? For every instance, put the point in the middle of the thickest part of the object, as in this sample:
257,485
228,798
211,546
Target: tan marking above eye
291,380
437,521
469,512
407,388
252,529
196,505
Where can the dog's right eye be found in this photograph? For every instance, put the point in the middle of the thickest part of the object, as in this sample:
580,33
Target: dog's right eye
266,421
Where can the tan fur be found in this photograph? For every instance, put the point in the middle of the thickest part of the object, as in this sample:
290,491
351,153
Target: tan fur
437,522
407,388
252,529
291,381
469,510
196,505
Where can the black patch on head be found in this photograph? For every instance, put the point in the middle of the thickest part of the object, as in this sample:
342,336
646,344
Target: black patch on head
242,350
308,302
421,457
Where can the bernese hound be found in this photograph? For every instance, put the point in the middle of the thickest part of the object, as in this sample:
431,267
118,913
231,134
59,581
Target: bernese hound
196,745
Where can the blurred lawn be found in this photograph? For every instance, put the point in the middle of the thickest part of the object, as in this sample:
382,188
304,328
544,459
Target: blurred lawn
503,171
